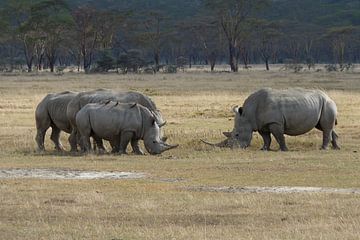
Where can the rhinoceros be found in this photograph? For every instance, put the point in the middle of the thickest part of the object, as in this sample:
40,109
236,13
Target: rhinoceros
291,111
50,112
120,123
103,95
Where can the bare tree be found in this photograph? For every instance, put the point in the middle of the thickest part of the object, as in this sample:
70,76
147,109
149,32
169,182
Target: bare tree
232,15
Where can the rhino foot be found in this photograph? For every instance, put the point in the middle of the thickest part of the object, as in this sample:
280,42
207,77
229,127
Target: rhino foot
138,152
336,148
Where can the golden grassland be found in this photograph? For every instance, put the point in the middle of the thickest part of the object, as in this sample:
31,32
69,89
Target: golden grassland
196,105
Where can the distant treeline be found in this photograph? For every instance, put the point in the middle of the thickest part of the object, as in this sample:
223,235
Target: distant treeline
130,35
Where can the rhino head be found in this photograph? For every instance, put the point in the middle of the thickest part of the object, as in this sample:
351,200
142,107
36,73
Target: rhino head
242,133
153,143
240,136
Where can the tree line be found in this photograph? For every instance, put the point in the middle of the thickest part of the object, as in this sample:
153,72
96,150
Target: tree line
54,34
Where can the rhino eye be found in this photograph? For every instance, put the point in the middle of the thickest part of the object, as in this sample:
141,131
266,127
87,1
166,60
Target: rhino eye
154,141
236,135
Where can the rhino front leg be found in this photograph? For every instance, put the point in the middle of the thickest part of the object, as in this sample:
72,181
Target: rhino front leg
136,147
125,138
55,137
278,132
267,140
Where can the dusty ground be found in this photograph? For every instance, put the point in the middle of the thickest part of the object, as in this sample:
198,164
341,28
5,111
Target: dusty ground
194,191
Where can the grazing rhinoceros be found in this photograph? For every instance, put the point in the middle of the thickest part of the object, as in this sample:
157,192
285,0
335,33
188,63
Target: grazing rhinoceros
103,95
120,123
278,112
51,112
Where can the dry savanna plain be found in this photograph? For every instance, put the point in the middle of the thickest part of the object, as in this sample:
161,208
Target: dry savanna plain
176,198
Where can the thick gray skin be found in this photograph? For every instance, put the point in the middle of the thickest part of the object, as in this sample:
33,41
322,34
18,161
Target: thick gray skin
50,112
278,112
120,123
103,95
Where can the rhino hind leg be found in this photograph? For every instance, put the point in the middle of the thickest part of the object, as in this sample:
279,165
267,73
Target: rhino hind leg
86,143
267,140
136,147
278,132
55,137
327,135
334,138
98,144
40,138
73,140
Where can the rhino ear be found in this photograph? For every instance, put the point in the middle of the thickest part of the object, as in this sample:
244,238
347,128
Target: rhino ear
227,134
237,109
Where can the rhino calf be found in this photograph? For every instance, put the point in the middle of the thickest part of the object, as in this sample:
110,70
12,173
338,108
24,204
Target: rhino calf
292,112
120,123
51,112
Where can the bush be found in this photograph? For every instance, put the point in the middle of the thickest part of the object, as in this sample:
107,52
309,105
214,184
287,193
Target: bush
131,61
106,62
170,69
181,62
331,68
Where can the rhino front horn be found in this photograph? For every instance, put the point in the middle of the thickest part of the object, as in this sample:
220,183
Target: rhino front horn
167,147
222,144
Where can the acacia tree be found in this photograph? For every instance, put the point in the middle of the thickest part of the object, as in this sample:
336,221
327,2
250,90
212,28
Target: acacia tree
207,35
93,30
150,33
18,14
53,21
267,35
232,16
340,38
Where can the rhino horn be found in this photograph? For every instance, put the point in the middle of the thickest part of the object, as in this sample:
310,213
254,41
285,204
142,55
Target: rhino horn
227,134
162,124
222,144
166,147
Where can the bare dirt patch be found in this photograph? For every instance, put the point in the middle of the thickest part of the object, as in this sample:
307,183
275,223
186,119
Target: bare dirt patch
66,174
282,189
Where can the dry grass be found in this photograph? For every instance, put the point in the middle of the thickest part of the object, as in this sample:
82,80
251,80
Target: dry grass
196,105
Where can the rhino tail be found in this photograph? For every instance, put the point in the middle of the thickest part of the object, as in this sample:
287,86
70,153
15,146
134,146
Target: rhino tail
336,122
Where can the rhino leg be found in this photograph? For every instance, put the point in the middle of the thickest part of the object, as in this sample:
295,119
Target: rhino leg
136,147
43,123
98,143
86,143
124,141
115,145
334,138
326,138
278,132
55,137
40,137
73,140
267,140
